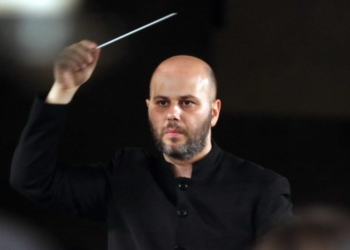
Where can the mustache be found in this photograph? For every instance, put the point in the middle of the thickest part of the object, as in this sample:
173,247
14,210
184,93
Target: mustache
174,125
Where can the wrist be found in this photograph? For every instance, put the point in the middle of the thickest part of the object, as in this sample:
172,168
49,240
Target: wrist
60,95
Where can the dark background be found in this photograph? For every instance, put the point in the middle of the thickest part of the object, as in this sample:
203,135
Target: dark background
283,74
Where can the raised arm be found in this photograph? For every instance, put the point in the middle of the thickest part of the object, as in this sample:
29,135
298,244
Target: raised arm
35,171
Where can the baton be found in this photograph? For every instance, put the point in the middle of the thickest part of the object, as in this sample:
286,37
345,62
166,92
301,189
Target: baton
131,32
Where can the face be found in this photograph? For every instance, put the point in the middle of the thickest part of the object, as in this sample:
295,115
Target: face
181,113
195,138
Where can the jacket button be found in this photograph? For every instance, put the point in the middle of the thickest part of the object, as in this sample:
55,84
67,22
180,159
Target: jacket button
182,213
182,186
179,248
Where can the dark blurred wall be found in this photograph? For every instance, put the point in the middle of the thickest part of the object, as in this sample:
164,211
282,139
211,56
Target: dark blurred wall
285,57
282,68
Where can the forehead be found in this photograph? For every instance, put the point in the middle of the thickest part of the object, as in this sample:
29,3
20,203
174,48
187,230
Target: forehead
179,83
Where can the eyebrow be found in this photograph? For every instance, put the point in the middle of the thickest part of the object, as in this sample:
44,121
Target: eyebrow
181,97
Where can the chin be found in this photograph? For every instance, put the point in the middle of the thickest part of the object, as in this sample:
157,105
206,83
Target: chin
173,142
172,150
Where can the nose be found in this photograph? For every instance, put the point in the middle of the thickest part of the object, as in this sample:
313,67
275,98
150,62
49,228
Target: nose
174,113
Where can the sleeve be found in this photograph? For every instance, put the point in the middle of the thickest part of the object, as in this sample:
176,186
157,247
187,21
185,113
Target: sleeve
274,206
80,190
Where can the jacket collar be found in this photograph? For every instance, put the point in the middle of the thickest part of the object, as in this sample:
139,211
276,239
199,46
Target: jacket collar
201,168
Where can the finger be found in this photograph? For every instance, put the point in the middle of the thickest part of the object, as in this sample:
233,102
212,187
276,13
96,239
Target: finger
89,44
75,57
80,58
69,61
96,54
84,52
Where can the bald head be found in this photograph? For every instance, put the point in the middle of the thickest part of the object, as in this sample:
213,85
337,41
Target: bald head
187,67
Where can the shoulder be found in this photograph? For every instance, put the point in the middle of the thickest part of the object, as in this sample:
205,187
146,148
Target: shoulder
248,171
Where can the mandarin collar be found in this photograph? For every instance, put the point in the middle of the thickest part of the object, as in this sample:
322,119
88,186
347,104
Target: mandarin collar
201,168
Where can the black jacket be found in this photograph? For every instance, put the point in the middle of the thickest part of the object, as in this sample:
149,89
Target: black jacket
227,203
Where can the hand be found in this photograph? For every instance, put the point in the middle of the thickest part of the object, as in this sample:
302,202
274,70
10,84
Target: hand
73,67
75,64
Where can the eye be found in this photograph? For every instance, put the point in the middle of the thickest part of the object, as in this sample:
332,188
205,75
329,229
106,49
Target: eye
187,103
162,103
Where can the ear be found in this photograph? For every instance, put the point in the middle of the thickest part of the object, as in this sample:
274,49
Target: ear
215,111
147,102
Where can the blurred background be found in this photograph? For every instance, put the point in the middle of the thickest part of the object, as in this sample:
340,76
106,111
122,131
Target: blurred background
282,69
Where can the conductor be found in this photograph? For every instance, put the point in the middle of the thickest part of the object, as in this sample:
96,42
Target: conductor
192,196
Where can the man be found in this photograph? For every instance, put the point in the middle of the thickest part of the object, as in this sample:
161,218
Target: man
193,196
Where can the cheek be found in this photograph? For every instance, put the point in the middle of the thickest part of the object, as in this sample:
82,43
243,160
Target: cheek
194,120
155,119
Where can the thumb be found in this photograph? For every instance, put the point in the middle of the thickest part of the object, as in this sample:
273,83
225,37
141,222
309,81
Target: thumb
96,55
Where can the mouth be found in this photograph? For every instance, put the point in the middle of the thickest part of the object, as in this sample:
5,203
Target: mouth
173,133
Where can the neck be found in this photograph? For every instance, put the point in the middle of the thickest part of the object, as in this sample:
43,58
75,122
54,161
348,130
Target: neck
184,168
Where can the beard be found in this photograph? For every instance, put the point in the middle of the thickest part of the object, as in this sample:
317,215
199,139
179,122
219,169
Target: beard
196,139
